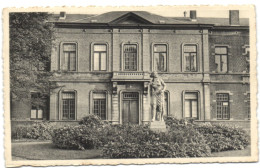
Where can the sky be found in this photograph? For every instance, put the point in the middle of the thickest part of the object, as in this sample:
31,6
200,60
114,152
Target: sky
163,11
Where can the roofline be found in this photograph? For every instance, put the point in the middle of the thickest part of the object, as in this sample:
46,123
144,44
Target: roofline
117,20
230,27
108,25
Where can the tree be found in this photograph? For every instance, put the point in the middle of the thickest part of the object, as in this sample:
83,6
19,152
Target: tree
31,39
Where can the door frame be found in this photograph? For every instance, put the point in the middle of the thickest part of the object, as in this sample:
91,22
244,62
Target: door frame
121,92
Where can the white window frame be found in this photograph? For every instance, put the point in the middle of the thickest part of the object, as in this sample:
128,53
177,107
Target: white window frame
61,104
91,101
197,58
92,56
137,55
167,56
62,57
198,103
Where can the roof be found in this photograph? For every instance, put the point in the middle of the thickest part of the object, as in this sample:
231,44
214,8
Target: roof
143,17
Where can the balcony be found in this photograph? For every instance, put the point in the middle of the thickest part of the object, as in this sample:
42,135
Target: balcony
131,76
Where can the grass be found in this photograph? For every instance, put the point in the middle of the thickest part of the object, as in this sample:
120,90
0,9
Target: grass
47,151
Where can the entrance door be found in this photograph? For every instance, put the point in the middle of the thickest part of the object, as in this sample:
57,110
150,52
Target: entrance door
130,111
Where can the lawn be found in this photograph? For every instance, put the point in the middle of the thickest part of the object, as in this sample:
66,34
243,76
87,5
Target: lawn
47,151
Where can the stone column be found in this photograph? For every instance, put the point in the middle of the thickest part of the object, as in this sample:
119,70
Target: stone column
146,50
205,51
54,106
115,50
206,101
206,77
115,111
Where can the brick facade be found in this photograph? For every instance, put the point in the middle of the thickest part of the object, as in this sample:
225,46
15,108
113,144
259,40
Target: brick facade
206,82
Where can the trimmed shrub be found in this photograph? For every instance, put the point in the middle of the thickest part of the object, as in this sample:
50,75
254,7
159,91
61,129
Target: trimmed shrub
218,137
223,138
132,141
92,121
152,149
38,130
141,142
76,137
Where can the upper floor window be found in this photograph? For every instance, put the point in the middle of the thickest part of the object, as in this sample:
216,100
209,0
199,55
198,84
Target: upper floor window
191,105
69,59
221,60
100,57
68,105
190,57
247,55
223,106
130,57
160,57
99,102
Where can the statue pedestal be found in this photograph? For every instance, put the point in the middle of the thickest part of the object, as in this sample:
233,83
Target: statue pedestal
158,126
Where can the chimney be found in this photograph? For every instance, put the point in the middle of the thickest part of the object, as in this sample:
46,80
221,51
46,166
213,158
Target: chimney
193,15
62,15
234,17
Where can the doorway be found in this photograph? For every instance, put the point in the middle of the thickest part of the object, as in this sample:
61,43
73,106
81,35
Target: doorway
130,111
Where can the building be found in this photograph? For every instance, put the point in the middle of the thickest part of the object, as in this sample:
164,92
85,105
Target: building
104,62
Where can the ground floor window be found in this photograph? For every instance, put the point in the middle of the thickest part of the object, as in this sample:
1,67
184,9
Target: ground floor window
99,102
223,112
68,105
36,110
166,103
191,105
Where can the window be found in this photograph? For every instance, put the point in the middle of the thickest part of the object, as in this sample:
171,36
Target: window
223,106
248,110
160,57
36,110
190,57
69,51
100,57
68,105
191,105
221,59
247,55
130,57
99,102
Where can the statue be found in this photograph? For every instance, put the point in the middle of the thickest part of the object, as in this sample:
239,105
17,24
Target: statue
157,88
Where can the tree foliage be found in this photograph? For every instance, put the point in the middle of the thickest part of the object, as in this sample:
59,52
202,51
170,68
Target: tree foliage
31,38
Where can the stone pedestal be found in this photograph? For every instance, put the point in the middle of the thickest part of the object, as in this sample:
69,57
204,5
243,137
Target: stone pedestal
158,126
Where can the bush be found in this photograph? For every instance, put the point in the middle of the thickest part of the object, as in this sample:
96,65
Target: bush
152,149
218,137
76,137
141,142
92,121
223,138
38,131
